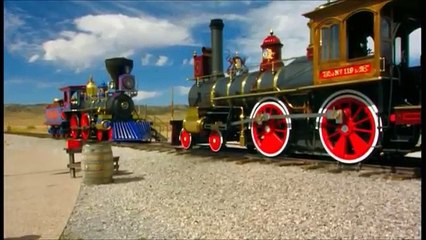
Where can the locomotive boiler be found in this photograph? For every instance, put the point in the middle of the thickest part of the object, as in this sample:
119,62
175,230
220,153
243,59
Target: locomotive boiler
104,112
349,97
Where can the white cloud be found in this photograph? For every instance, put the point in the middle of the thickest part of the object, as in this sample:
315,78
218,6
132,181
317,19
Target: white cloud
146,59
161,61
289,26
188,61
142,95
11,23
111,35
181,90
17,32
33,58
150,59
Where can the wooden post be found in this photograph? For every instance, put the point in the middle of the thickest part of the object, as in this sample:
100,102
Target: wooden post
172,106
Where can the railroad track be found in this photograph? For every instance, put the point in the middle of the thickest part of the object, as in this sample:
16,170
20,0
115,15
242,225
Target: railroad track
395,169
399,168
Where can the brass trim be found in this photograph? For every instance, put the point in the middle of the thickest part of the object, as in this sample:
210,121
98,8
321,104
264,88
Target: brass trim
298,89
275,78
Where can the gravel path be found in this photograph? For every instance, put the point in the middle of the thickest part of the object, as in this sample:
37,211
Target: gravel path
167,196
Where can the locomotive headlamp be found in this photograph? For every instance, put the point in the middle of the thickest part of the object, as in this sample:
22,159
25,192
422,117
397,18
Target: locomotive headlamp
128,83
124,105
111,85
106,124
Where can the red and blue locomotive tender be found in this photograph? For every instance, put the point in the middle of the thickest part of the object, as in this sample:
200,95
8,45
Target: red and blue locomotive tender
101,112
353,96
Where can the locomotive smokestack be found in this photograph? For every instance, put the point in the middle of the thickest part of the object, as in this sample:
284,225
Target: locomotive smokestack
216,27
118,66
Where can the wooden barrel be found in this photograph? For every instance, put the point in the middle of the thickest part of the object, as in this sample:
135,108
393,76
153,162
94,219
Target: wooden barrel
97,163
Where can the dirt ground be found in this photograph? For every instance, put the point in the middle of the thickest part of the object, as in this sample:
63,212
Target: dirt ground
39,194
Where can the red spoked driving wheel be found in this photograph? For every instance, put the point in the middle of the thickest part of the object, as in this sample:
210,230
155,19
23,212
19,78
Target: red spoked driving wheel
215,141
185,139
355,138
85,126
74,126
270,136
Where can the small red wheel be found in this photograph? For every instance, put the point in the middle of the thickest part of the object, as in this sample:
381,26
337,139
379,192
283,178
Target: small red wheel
110,134
185,139
270,137
100,135
85,126
74,125
215,141
355,138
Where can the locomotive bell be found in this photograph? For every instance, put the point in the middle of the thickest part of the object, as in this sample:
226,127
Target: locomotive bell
117,67
91,88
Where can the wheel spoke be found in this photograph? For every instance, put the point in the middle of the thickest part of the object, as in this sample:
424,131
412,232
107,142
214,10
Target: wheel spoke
357,111
363,130
281,130
333,134
271,138
340,146
359,145
362,120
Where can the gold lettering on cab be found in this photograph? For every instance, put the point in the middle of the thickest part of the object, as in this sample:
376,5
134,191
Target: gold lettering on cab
345,71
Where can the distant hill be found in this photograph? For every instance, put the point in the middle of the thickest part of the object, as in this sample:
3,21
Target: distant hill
39,109
14,108
30,117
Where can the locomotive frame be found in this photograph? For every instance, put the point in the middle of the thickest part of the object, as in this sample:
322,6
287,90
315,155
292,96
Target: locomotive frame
341,99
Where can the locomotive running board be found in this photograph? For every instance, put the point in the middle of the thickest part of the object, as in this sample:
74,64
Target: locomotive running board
131,131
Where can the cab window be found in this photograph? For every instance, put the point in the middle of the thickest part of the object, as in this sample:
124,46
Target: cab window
360,35
414,48
329,42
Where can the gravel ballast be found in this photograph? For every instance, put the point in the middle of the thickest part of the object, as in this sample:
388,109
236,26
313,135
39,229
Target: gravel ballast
168,195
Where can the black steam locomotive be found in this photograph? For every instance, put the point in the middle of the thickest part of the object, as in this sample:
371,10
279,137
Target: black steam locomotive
102,112
345,98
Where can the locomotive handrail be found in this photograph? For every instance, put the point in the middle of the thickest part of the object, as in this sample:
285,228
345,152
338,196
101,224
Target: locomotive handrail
160,123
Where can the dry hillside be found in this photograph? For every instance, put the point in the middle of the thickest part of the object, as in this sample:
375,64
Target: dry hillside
31,117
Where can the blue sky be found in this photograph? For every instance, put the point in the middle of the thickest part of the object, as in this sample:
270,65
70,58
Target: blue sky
50,44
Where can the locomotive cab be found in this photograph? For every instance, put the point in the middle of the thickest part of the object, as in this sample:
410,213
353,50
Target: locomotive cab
367,44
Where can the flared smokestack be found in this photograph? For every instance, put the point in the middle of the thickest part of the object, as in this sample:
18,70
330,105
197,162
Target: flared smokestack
118,66
216,27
